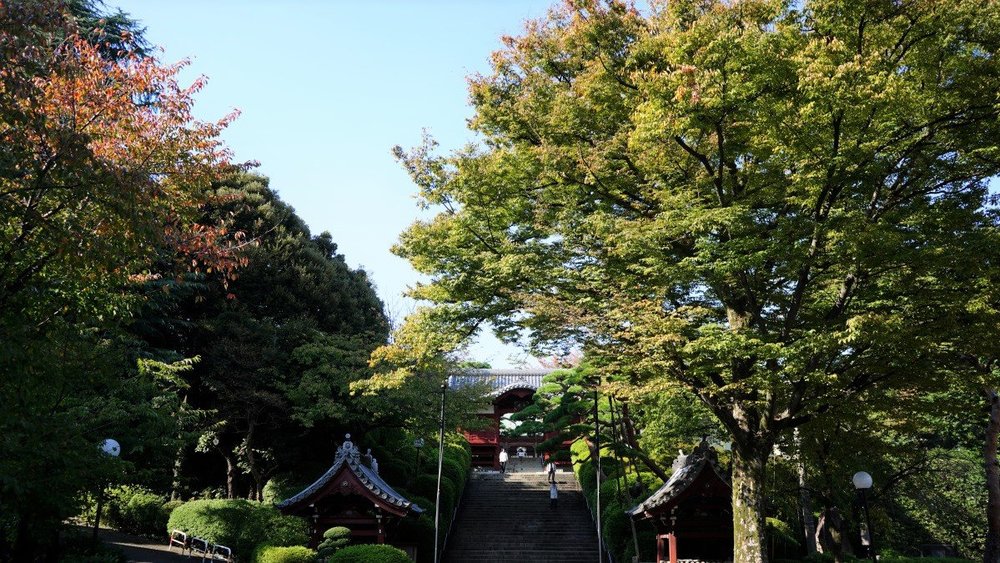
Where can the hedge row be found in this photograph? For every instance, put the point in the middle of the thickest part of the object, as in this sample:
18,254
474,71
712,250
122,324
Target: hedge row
369,554
615,527
239,524
397,460
292,554
135,510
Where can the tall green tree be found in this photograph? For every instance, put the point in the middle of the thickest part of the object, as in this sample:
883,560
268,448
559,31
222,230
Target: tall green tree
100,162
760,201
279,343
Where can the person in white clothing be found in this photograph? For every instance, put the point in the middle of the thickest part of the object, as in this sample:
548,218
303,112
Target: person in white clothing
553,495
551,469
503,460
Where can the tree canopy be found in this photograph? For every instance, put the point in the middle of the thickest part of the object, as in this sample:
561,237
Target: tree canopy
764,202
101,163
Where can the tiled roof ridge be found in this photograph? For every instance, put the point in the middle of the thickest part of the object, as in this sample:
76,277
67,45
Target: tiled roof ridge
349,454
500,380
686,470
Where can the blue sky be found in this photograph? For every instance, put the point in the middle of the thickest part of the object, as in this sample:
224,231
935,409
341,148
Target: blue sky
326,88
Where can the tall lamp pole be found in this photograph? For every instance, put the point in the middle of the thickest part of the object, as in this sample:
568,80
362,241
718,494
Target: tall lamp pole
437,501
862,482
110,448
597,444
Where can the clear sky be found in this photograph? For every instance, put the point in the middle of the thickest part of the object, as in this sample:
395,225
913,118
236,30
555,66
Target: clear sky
326,88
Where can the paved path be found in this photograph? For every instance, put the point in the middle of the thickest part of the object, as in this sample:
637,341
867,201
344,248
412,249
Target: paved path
142,550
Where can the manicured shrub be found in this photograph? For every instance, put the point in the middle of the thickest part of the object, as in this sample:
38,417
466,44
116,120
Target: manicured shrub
458,445
423,502
617,530
333,539
426,486
239,524
278,489
586,473
453,471
370,553
394,471
170,505
292,554
135,510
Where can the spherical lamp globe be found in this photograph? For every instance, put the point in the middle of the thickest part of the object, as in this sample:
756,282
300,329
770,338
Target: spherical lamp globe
111,447
862,480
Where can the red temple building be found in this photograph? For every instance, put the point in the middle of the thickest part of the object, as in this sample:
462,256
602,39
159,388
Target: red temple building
692,512
351,494
510,391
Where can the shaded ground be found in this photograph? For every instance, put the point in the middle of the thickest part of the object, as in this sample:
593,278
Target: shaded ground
142,550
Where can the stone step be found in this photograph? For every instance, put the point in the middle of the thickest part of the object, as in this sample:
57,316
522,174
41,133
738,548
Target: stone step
507,517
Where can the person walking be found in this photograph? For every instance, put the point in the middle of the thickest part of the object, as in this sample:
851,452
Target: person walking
553,496
503,460
551,469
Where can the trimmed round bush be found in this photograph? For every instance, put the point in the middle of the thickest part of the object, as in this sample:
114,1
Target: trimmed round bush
292,554
337,533
278,489
239,524
458,442
136,510
333,539
393,470
370,553
423,502
426,486
452,470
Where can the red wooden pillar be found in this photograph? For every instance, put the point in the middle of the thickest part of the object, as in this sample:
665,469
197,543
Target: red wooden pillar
671,548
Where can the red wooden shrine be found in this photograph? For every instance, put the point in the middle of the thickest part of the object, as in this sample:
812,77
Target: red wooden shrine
692,512
509,391
351,494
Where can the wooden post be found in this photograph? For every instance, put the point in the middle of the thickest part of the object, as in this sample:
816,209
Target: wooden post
659,547
673,547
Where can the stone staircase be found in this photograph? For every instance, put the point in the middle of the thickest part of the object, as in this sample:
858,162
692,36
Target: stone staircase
508,518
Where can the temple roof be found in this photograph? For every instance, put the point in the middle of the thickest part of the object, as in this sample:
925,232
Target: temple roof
687,468
499,380
349,459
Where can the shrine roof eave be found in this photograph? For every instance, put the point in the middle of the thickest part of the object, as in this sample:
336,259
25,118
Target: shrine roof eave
499,381
700,461
372,485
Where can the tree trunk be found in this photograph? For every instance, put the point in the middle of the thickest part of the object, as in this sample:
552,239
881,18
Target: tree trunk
992,552
749,465
805,499
630,439
252,465
175,484
230,476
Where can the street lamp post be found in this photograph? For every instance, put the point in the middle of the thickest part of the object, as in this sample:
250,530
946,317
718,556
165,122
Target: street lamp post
110,448
418,443
862,482
437,500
